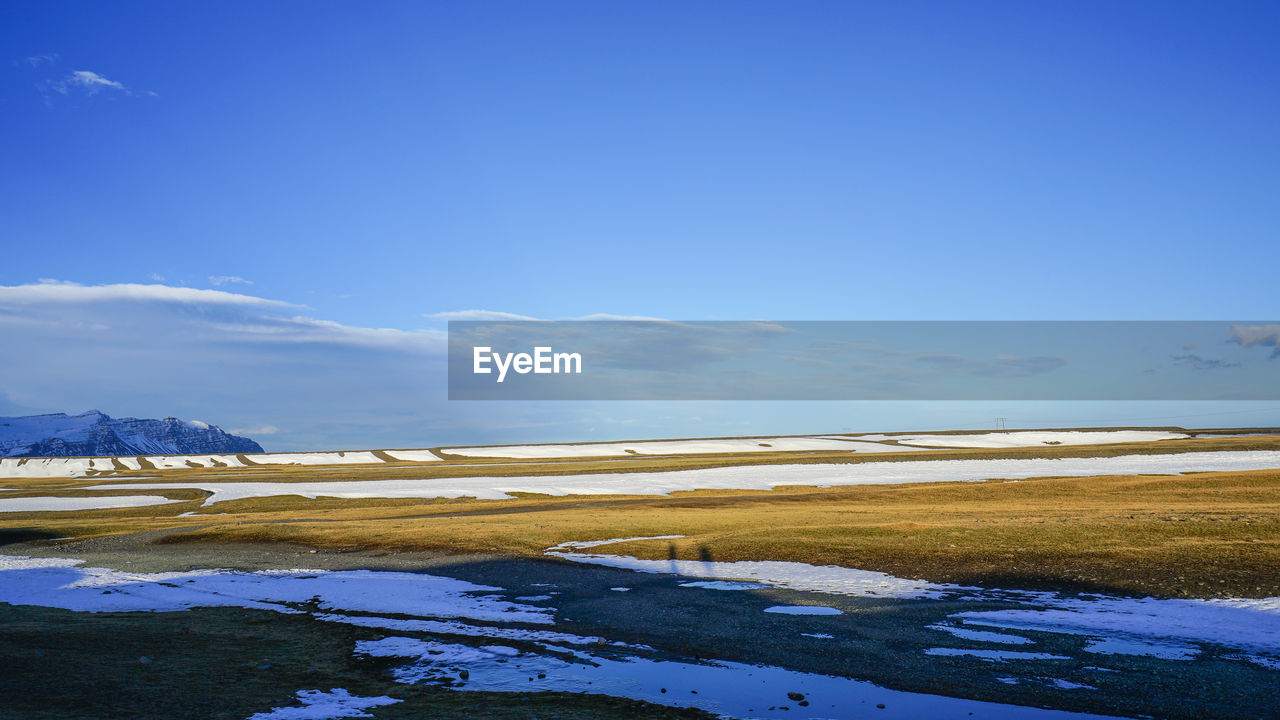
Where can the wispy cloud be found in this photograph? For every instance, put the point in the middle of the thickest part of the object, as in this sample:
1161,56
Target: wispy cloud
90,82
255,363
496,316
1262,335
1196,362
62,291
480,315
226,316
54,83
609,317
905,363
221,280
258,430
998,366
36,61
305,330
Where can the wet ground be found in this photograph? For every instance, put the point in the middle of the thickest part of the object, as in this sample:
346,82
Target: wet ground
656,638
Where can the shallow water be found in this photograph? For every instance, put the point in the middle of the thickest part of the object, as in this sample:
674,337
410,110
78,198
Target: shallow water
725,688
442,626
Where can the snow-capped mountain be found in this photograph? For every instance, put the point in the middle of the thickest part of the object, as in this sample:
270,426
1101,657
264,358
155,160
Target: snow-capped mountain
94,434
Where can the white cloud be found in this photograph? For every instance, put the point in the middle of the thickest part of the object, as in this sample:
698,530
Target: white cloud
156,277
229,280
494,315
78,83
478,315
1250,335
251,431
252,362
209,314
299,329
88,81
61,291
619,318
36,61
1262,335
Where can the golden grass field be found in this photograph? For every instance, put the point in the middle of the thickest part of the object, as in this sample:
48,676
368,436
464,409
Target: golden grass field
1198,535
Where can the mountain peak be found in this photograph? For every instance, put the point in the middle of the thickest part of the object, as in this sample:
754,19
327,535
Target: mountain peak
94,433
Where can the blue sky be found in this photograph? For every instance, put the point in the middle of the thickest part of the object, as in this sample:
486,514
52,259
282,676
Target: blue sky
372,166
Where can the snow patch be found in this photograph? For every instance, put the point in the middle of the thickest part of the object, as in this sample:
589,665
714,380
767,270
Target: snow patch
316,458
66,504
803,610
320,705
412,455
678,447
765,477
452,627
724,585
182,462
1143,647
583,544
61,583
778,573
1148,623
1034,438
982,635
993,655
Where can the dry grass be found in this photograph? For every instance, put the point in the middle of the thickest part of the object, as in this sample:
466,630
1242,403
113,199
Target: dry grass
1192,535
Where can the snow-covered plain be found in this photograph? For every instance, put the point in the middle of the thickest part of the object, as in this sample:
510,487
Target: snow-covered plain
315,458
54,467
63,504
760,477
851,443
169,462
875,443
79,467
1033,438
675,447
413,455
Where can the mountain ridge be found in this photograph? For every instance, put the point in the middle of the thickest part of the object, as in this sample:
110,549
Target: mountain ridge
94,433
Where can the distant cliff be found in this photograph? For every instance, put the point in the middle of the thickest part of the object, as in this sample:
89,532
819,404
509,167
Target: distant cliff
94,433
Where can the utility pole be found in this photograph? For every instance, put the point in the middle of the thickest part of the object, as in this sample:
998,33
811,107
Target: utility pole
1000,423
